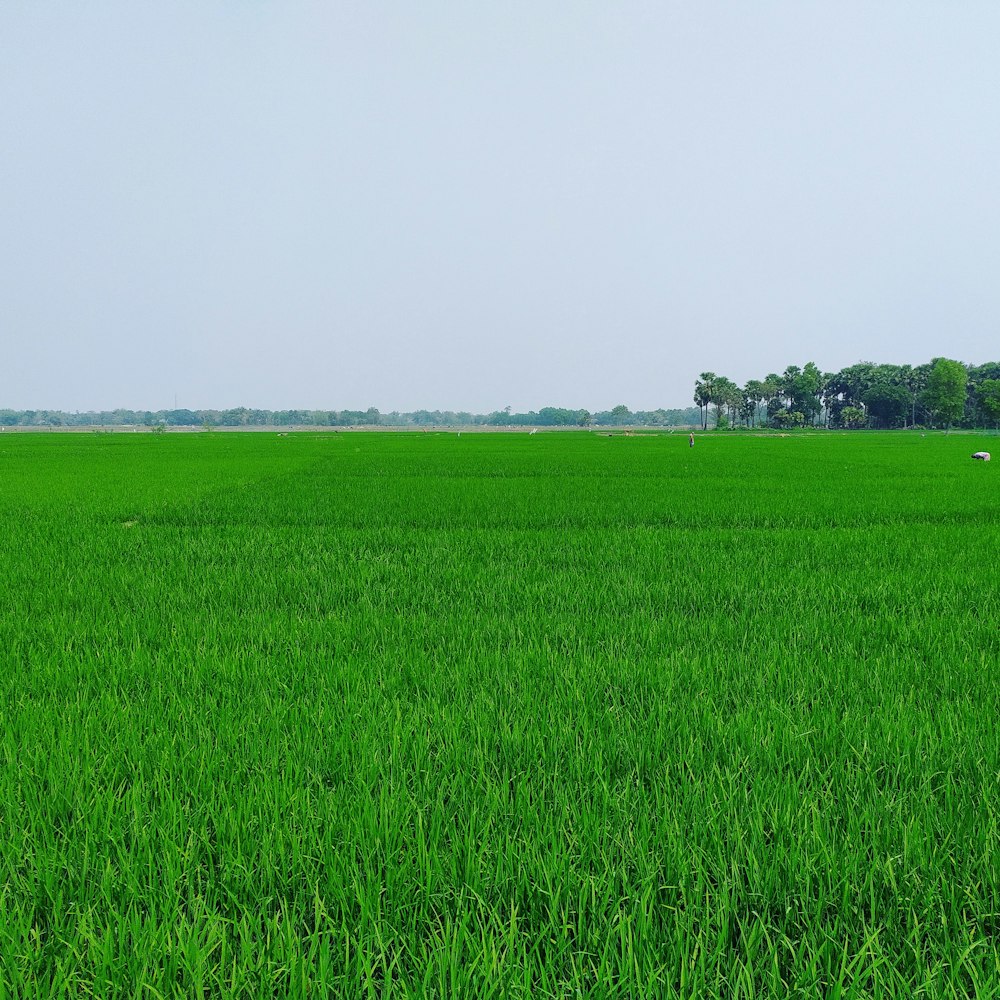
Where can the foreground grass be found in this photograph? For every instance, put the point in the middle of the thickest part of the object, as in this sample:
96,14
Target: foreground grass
499,716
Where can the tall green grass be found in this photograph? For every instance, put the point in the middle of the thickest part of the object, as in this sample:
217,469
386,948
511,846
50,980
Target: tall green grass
499,716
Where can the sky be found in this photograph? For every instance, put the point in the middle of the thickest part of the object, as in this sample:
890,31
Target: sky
452,205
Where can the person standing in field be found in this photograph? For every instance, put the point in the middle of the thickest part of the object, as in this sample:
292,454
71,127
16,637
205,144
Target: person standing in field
691,439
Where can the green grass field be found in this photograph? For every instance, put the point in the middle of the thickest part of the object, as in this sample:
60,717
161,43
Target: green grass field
565,715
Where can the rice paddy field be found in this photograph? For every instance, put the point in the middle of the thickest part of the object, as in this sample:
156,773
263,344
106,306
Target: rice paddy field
510,716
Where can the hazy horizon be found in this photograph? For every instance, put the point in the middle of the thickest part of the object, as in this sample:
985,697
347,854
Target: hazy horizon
452,207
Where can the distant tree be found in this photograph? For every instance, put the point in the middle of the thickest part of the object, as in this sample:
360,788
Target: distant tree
945,392
789,379
754,392
182,418
886,404
771,396
704,389
775,407
975,414
852,417
988,398
725,395
915,380
584,418
864,385
989,370
733,400
236,417
557,416
802,388
620,414
850,384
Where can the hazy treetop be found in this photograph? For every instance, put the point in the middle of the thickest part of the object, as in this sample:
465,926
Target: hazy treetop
471,206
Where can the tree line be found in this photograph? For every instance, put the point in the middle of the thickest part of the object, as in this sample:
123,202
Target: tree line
242,416
940,393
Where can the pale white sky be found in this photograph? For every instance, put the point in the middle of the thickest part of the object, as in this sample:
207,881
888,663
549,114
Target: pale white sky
464,206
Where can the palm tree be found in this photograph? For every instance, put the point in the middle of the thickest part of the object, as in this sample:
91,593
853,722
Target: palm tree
704,391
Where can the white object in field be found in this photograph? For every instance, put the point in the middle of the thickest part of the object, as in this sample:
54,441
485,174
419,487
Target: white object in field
534,430
983,456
